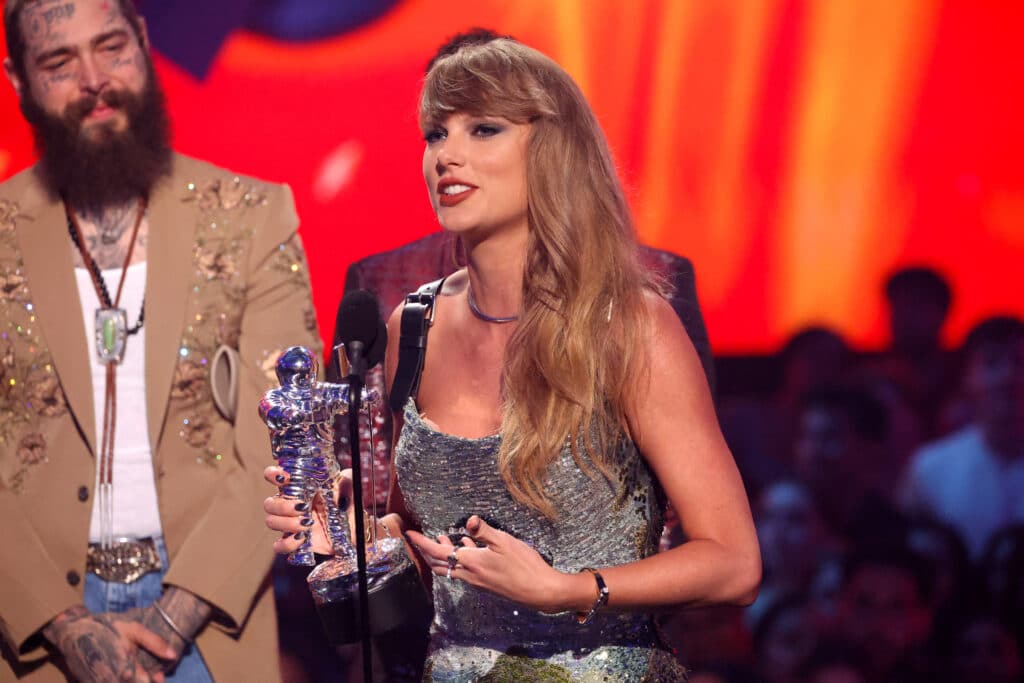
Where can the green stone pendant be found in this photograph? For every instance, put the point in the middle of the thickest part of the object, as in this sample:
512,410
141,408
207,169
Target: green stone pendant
111,334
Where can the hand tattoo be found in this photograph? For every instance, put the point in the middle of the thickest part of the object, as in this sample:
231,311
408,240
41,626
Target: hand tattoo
92,646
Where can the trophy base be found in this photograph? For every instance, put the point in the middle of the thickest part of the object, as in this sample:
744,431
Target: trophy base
395,592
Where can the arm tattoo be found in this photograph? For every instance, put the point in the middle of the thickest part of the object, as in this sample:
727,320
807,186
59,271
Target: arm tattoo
188,612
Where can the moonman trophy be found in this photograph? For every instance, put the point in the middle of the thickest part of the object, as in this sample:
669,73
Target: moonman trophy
301,415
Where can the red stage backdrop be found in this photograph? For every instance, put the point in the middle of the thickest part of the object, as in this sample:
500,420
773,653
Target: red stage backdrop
796,151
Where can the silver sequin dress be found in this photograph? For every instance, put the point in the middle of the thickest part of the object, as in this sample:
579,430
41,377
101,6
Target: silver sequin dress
478,636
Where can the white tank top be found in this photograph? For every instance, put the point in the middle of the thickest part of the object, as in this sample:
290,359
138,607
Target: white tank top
136,514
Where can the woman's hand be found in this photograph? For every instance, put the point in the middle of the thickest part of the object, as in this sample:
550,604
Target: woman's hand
294,520
506,566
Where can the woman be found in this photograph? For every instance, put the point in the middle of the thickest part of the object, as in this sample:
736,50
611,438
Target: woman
560,400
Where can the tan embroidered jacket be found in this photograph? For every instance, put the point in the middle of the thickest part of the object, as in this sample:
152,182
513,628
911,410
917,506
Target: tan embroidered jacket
224,267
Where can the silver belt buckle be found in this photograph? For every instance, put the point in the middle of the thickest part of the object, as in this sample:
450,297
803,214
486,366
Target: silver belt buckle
127,560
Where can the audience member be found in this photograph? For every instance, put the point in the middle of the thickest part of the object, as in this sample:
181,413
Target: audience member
839,441
942,549
906,430
812,357
793,539
1001,573
825,589
884,611
974,479
919,299
784,639
759,429
977,646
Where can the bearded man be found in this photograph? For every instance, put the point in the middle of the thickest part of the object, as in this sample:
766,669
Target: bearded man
144,298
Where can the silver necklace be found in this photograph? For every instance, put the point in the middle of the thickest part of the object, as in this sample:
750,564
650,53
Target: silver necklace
483,316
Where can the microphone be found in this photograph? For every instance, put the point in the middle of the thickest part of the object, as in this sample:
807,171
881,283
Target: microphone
362,331
364,336
385,580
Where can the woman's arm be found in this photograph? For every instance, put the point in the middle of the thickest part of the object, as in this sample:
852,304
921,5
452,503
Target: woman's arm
672,420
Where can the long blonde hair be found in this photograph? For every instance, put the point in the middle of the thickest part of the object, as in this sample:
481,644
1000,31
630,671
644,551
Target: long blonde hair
575,357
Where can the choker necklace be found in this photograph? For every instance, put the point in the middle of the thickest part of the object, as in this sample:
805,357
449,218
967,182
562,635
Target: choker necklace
483,316
112,333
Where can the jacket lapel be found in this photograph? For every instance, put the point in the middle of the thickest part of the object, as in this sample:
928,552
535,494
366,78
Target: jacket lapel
168,281
49,269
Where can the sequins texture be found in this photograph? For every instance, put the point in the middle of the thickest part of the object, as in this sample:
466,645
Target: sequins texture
478,636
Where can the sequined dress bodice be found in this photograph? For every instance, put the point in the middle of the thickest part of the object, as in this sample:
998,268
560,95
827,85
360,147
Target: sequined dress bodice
601,522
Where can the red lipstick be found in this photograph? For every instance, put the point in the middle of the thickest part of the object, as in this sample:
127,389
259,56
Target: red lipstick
460,190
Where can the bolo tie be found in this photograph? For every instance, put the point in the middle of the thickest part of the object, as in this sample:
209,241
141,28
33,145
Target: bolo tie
111,333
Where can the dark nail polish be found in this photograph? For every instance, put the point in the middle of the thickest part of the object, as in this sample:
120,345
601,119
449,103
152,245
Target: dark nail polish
287,534
300,535
301,507
279,478
306,521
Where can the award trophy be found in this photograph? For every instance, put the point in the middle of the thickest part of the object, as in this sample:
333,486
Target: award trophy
301,415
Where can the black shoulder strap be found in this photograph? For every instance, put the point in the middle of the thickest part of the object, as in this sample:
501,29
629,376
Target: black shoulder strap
417,317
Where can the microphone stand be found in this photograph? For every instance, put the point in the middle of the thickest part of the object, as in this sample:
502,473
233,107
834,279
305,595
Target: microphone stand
357,370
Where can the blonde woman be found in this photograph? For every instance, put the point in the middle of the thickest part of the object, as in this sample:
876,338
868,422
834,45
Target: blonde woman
560,403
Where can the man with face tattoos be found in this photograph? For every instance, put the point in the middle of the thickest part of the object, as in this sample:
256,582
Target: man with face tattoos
144,298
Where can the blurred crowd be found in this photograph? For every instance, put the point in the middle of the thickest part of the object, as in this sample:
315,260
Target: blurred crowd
888,492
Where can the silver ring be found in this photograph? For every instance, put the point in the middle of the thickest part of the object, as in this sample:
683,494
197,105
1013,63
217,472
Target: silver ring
448,574
453,559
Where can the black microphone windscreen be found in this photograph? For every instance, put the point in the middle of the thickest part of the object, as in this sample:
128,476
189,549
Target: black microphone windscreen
359,320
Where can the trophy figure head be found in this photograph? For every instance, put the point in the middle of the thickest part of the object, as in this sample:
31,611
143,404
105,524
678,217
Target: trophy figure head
297,367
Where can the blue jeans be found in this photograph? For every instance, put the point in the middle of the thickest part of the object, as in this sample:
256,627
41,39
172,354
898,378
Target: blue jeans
108,596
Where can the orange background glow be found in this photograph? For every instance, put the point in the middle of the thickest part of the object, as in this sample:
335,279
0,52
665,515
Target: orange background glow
797,152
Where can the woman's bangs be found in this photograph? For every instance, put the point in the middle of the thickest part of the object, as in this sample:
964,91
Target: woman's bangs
475,82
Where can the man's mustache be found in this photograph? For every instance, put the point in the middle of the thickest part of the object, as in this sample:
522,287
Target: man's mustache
113,98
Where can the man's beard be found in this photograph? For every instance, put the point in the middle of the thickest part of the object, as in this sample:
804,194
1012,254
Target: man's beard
111,167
